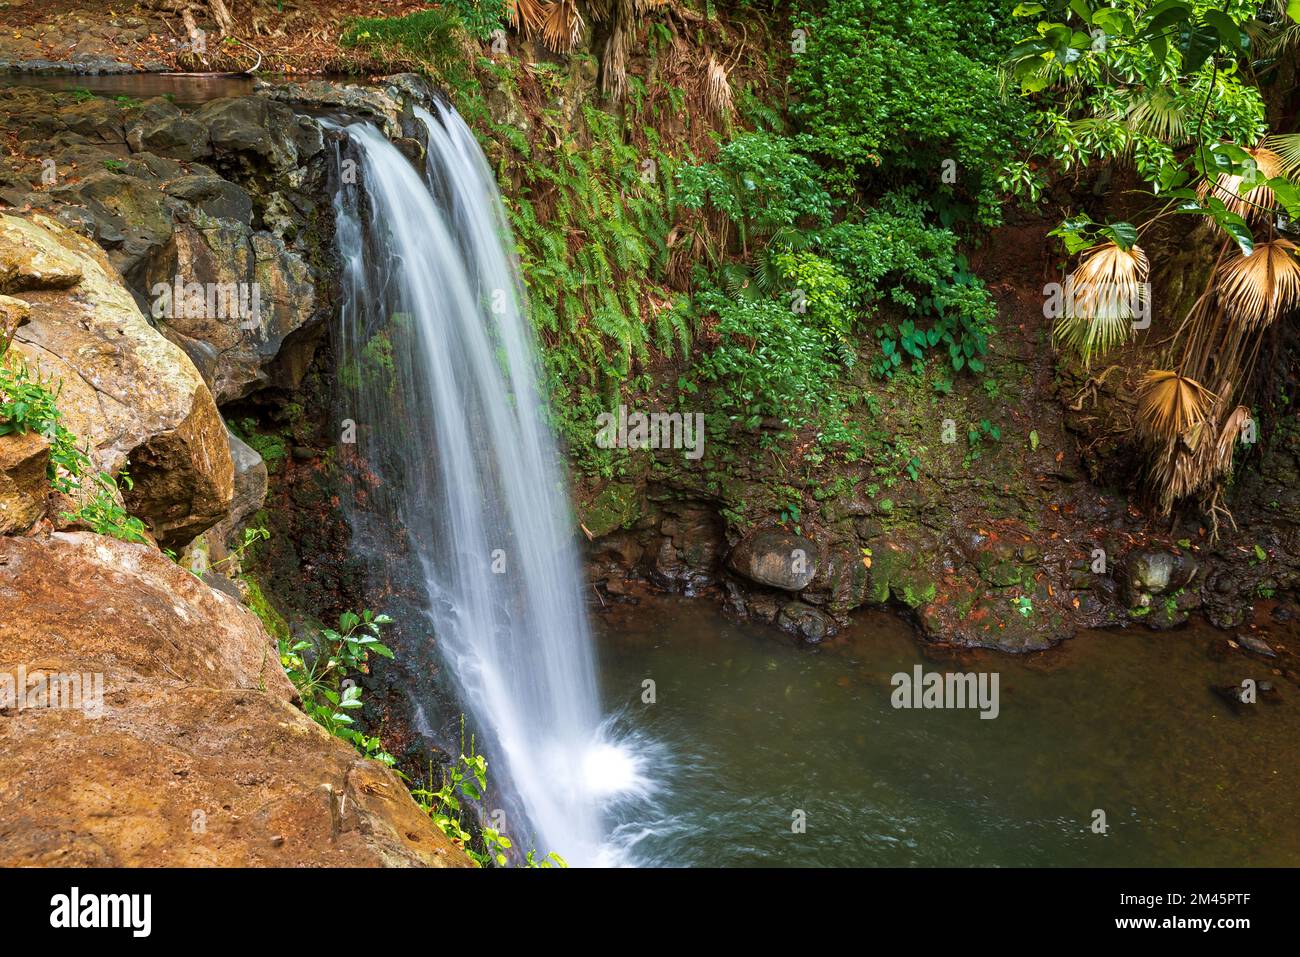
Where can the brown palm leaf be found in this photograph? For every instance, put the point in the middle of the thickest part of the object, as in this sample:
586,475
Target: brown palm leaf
1228,436
526,16
717,90
1256,289
1171,405
1103,296
1258,204
562,27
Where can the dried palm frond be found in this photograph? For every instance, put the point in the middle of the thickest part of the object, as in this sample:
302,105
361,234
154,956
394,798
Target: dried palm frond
1170,405
645,6
1103,295
1257,205
1257,288
613,64
717,90
562,27
1228,436
1181,469
526,16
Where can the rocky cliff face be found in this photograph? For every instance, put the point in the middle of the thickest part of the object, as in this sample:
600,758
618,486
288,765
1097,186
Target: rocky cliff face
145,716
178,744
134,398
1013,543
224,198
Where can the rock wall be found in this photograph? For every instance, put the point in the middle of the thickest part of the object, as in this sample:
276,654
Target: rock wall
132,397
181,743
1014,543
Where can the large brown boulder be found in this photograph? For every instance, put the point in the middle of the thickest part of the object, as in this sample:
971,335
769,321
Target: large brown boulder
136,398
237,354
194,753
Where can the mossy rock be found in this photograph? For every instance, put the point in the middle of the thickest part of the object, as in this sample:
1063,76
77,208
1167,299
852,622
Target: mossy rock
617,506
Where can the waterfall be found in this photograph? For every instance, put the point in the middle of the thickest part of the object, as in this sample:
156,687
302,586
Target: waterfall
444,366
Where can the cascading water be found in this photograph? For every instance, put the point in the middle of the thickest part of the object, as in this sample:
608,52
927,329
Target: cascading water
455,428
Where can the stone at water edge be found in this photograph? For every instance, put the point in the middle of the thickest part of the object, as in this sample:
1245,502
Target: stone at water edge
1150,573
807,622
775,558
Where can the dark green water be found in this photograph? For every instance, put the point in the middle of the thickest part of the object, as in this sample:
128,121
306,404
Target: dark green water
750,728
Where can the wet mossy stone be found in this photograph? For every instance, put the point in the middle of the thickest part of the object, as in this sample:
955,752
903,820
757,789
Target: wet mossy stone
807,622
617,506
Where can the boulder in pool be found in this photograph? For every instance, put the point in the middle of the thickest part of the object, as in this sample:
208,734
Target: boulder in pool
777,559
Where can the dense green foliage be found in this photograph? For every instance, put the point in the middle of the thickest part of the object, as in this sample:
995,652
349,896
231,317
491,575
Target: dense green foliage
431,39
821,247
801,245
1168,87
893,88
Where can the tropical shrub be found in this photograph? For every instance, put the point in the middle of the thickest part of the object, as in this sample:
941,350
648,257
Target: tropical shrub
322,668
1171,89
894,88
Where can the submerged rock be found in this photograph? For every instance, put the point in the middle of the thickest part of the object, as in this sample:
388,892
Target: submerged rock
807,622
1258,645
191,753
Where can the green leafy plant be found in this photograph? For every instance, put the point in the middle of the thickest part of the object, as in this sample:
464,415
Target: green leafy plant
890,88
103,514
321,668
30,404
